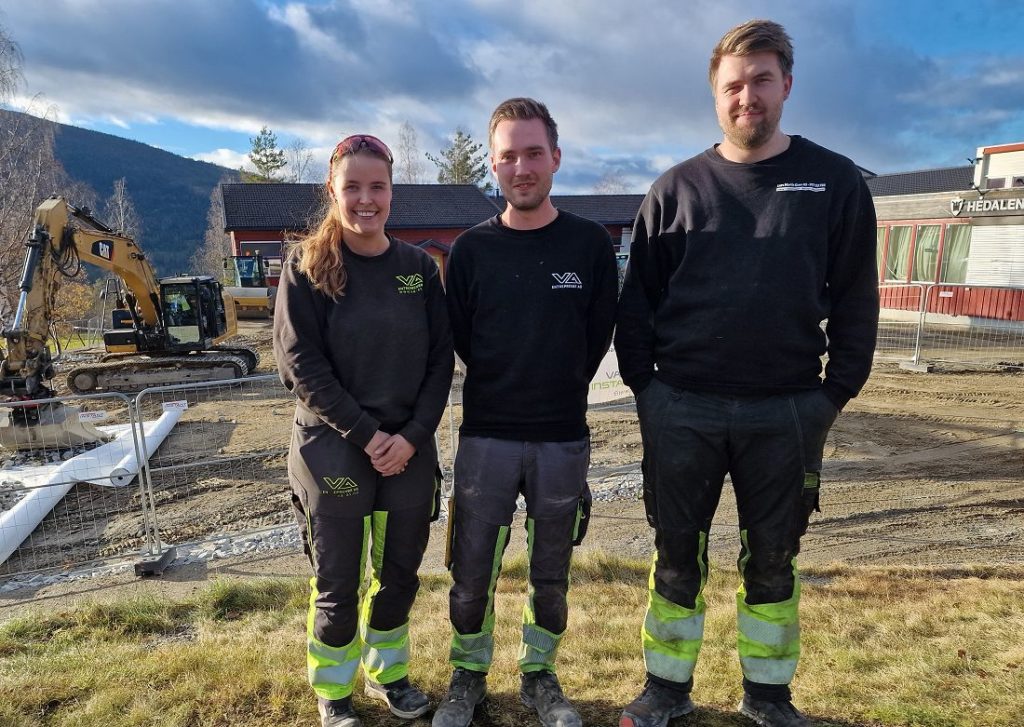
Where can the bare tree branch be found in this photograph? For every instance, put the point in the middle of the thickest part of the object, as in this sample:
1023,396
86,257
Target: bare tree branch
408,157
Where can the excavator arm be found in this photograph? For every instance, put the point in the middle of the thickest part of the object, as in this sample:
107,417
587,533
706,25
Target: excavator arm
62,238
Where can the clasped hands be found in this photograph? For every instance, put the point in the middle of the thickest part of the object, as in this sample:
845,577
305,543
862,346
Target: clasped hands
389,453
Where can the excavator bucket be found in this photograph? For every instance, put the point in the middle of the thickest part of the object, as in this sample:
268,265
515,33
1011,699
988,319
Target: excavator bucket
47,426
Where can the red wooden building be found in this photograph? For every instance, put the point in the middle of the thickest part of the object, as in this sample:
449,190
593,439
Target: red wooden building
263,217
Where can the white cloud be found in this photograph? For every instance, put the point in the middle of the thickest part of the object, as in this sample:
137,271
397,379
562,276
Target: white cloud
225,158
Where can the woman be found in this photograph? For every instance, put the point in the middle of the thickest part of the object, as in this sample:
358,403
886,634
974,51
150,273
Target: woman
362,339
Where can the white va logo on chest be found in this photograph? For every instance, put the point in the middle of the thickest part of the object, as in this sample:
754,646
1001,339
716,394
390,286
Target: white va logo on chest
566,281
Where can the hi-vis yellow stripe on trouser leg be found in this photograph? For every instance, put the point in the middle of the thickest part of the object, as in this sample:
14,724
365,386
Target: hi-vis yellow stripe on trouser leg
768,638
672,634
385,653
539,646
331,669
475,651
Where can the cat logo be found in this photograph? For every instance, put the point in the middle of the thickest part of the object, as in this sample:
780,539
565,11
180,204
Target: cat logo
103,249
342,486
410,283
956,206
565,281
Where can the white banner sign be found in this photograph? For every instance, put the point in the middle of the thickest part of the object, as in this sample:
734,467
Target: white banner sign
607,384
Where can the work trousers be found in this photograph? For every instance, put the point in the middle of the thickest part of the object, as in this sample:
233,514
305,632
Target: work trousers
772,448
489,476
345,509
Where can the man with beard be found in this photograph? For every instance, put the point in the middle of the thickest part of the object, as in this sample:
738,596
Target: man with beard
531,296
738,255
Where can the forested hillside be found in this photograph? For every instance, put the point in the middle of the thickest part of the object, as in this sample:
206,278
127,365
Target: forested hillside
171,193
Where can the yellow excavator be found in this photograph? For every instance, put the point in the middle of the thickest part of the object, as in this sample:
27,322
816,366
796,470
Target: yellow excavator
165,331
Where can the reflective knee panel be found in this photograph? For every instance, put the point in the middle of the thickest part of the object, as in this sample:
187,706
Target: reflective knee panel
331,669
672,634
472,594
549,552
768,637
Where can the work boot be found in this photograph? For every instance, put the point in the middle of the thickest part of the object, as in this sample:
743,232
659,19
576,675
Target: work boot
337,713
403,699
541,692
772,714
655,706
467,689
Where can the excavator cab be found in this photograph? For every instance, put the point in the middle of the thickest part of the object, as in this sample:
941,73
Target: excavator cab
194,314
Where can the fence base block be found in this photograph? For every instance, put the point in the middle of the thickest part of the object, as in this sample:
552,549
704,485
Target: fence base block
156,566
921,368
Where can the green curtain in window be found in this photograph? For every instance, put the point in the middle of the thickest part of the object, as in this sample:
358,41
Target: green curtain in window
879,246
954,254
897,262
926,253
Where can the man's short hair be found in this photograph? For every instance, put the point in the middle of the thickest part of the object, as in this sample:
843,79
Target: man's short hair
753,36
523,109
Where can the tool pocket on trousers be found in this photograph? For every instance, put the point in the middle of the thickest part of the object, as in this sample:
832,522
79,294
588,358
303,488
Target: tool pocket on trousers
811,499
579,530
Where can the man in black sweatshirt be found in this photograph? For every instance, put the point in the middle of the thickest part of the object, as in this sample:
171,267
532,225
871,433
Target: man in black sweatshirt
738,255
531,297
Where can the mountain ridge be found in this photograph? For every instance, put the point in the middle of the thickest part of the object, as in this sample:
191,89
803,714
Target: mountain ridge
171,193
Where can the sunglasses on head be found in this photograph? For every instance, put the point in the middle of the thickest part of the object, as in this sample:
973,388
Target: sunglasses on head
356,142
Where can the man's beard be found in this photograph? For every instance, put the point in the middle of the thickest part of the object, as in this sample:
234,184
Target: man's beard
753,137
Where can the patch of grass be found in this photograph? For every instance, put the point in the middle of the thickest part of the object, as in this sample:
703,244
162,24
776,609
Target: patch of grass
881,647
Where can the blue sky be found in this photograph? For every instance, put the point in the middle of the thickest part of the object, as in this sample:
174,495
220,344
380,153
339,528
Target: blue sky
896,85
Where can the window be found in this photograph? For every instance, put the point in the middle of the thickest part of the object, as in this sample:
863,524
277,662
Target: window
926,253
954,254
897,258
266,249
879,246
995,182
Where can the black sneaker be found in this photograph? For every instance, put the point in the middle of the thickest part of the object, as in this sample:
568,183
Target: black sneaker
541,691
467,689
772,714
337,713
655,706
403,699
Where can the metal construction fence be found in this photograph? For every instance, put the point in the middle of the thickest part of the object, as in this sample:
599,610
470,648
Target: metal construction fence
63,506
221,472
922,323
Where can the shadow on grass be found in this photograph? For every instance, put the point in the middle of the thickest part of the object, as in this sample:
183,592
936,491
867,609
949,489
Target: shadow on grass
505,710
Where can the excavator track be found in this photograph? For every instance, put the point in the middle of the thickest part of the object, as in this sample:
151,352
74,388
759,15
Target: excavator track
140,372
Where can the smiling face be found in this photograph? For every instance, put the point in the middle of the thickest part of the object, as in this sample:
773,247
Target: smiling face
361,188
749,93
524,162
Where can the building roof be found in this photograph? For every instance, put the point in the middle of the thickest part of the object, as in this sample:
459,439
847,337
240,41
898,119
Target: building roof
280,206
947,179
607,209
430,242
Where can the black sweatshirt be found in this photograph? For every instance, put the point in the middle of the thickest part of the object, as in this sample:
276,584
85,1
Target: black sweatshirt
734,266
380,357
532,314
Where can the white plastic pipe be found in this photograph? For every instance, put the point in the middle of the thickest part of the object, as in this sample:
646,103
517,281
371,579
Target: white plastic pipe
112,464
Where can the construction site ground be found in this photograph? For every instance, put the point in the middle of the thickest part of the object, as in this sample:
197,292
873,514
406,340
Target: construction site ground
920,469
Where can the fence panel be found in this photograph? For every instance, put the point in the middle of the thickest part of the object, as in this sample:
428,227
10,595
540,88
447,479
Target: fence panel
902,309
83,514
224,469
973,325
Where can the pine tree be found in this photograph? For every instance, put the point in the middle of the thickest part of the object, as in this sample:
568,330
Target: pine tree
265,156
460,162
